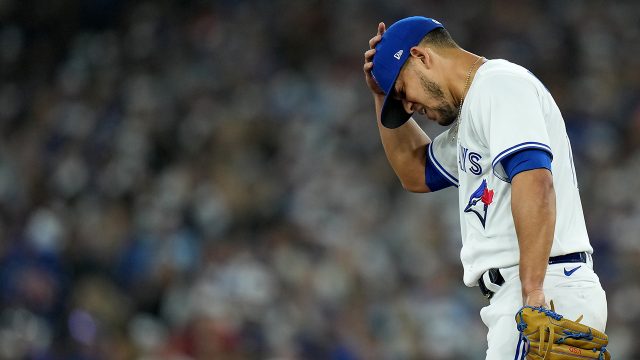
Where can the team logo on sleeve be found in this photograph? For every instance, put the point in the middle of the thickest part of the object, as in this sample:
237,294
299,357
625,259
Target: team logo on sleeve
484,196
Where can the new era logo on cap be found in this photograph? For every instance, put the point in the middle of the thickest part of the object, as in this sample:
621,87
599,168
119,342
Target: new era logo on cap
398,55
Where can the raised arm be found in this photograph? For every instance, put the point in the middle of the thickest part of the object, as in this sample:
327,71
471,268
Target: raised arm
404,146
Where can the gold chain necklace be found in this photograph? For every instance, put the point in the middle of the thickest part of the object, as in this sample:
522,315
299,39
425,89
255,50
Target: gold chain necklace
456,125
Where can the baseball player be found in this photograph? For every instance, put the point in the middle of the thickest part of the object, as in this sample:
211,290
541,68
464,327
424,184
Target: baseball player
524,239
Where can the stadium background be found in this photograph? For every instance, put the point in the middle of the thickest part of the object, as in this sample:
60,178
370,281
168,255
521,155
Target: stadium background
204,179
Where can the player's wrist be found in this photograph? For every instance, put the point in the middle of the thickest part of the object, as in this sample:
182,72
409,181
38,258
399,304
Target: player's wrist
527,289
529,292
534,297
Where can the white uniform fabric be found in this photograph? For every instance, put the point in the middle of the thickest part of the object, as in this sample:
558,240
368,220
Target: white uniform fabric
580,293
507,109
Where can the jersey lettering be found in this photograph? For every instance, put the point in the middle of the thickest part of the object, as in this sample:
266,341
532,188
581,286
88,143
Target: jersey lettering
475,169
462,158
473,158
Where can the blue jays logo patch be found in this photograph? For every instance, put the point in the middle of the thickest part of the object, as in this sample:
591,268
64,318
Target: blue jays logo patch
485,196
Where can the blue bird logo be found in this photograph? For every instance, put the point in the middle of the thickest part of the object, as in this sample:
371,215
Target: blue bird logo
484,195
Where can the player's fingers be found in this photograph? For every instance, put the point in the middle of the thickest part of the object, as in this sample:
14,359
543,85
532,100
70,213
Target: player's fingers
381,28
367,67
374,40
368,55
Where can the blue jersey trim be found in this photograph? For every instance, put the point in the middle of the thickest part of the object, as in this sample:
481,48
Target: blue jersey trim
527,159
439,167
573,168
435,180
521,146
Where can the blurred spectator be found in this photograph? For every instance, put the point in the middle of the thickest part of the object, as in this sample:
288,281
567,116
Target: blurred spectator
204,180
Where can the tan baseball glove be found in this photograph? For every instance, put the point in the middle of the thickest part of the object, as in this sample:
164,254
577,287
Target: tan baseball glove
550,336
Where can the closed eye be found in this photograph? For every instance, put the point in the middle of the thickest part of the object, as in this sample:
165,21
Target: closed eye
398,93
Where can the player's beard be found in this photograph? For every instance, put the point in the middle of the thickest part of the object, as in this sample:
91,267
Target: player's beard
447,112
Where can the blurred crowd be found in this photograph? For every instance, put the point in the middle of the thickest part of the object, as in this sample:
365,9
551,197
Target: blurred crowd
204,179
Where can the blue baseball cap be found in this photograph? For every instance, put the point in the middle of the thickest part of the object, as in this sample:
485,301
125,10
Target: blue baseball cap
391,54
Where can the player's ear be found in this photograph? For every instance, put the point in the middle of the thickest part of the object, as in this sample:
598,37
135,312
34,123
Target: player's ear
422,55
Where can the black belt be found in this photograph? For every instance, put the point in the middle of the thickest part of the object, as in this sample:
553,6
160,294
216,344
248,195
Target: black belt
496,278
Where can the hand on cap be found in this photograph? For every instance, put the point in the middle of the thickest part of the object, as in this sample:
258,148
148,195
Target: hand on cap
368,61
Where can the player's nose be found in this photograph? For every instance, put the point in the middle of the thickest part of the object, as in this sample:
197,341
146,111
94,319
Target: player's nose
408,106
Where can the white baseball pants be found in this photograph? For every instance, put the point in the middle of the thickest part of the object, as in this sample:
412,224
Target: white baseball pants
579,293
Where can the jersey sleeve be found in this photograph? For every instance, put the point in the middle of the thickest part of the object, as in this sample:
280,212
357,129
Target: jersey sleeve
525,160
441,170
512,118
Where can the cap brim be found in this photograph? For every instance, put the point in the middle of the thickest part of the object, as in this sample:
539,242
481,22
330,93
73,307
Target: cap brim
393,114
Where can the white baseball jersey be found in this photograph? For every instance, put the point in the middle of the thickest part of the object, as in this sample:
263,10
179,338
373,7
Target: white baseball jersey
506,110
